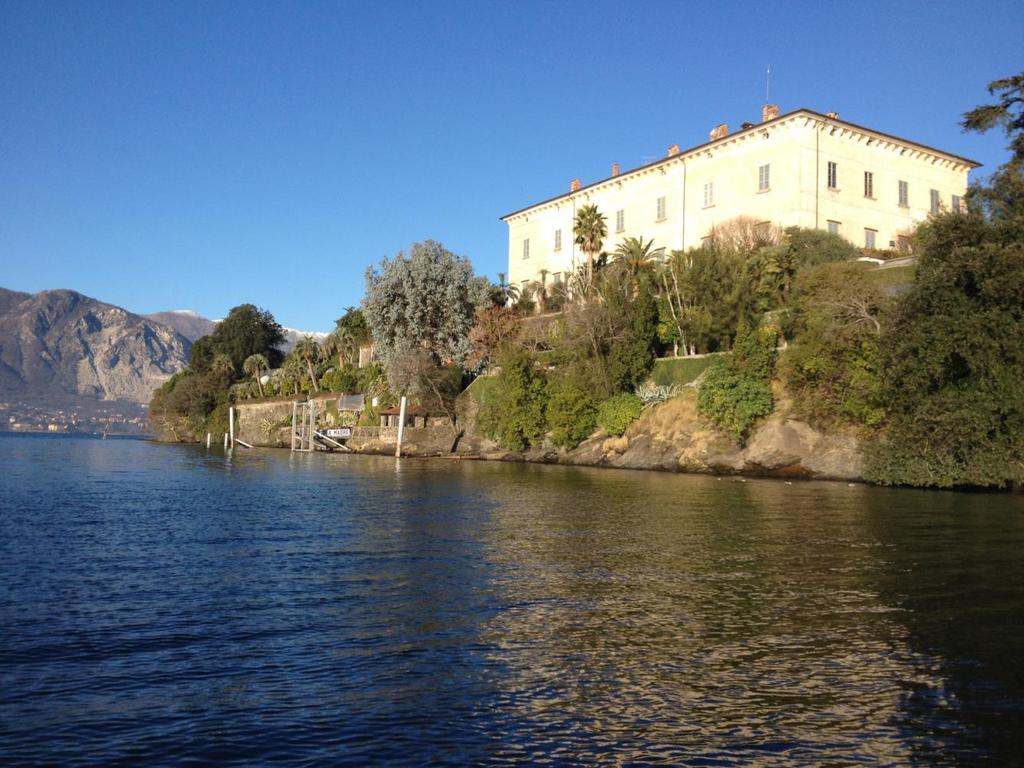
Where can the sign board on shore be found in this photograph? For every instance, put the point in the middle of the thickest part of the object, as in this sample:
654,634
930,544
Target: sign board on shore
339,432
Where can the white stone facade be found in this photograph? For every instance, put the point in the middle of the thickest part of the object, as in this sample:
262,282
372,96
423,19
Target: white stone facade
802,168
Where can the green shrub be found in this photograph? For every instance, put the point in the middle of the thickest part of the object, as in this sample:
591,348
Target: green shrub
618,412
832,370
341,380
735,393
733,401
516,416
571,411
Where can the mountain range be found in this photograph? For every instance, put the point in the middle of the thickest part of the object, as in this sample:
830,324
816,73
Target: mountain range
61,346
61,350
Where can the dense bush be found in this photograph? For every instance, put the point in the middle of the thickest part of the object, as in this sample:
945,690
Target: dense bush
515,417
953,361
632,354
736,392
832,370
616,413
345,379
571,410
733,401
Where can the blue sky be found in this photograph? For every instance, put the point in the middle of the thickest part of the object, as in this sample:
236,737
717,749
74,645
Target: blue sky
163,155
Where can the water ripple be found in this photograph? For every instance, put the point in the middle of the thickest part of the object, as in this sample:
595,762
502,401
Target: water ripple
164,606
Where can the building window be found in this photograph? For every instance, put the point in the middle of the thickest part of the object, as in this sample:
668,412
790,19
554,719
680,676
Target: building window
904,195
661,209
526,248
620,220
764,178
709,194
956,204
903,243
869,238
833,227
558,239
934,202
833,176
556,278
869,184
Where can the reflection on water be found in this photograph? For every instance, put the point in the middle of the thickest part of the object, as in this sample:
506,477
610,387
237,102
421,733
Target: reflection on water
164,605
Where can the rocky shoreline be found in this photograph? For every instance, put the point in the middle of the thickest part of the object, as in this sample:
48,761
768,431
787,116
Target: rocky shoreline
669,436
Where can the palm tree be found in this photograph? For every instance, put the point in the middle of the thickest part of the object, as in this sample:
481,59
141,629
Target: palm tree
308,350
509,292
291,372
221,365
341,342
254,366
539,291
590,228
635,256
778,268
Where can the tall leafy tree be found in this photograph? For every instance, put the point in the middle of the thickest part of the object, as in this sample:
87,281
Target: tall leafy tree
953,355
590,228
247,330
1007,113
427,298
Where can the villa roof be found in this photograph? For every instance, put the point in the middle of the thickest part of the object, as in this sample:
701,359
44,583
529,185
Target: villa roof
741,132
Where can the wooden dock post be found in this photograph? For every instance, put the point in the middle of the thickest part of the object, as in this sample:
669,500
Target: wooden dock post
225,441
207,441
231,425
312,424
401,428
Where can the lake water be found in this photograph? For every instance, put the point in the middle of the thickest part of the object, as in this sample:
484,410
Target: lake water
160,605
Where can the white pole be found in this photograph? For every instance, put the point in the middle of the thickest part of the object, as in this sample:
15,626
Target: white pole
401,428
225,441
295,411
231,424
207,441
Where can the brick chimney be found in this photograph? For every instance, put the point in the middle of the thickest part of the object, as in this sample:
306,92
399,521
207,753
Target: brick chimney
673,150
718,132
832,115
574,185
769,112
615,169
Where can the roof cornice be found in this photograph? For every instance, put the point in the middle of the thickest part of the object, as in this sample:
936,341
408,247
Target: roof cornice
823,121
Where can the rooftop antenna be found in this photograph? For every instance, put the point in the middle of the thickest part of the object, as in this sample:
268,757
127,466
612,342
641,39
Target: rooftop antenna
767,83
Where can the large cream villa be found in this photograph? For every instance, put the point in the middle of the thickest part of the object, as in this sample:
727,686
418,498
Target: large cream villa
802,168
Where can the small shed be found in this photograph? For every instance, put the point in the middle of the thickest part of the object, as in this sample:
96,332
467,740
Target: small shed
415,416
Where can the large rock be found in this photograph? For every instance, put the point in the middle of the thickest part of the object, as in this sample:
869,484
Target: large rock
791,447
